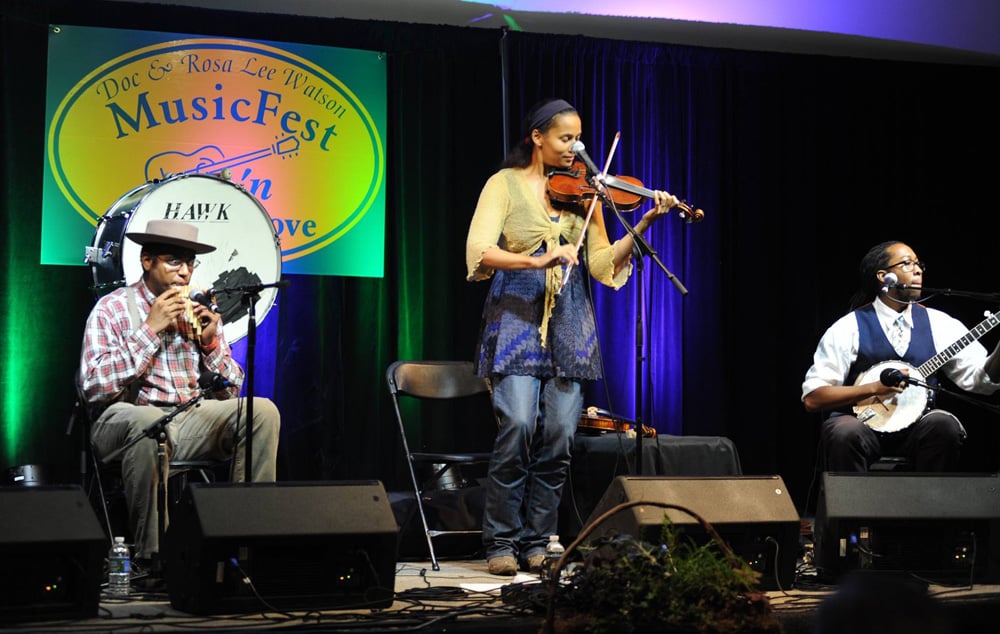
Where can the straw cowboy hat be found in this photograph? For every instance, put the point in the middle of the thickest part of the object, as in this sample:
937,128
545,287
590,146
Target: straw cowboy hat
171,232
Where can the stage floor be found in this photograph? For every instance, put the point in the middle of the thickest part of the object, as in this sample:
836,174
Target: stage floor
463,597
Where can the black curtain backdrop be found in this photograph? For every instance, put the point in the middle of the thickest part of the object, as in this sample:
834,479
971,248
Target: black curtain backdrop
800,163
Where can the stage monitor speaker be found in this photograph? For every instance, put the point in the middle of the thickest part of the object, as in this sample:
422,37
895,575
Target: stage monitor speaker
943,527
234,547
51,554
754,515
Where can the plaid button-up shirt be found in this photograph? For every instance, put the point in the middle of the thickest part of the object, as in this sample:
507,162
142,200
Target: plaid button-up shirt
167,365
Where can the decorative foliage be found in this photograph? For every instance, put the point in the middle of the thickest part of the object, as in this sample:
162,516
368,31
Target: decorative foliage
627,585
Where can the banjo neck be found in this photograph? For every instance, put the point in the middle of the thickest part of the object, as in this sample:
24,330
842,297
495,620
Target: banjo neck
935,363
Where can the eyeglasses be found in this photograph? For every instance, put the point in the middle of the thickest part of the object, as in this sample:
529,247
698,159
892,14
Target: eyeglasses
175,263
907,265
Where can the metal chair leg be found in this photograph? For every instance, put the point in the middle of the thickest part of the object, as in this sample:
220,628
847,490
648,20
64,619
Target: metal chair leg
423,519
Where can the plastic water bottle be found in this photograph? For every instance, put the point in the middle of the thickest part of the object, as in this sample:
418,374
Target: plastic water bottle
119,568
553,552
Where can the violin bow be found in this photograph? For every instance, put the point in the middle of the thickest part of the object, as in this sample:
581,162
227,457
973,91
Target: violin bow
593,204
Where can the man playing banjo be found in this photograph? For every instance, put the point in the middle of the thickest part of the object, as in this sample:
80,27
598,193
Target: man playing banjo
872,372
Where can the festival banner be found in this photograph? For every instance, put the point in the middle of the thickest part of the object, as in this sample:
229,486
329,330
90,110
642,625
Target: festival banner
275,150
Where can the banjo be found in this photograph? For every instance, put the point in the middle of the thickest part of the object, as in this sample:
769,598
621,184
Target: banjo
902,410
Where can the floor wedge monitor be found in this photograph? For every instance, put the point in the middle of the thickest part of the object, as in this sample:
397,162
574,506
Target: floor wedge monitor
233,547
942,527
51,554
754,515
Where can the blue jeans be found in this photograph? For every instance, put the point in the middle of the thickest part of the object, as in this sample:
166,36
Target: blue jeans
530,462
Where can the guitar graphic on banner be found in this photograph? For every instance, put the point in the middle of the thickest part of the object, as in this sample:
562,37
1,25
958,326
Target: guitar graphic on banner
210,159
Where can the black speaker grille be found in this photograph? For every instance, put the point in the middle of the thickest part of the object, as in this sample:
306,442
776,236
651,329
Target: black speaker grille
944,527
51,553
299,545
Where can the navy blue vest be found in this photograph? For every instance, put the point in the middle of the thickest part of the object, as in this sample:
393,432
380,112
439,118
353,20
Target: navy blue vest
874,346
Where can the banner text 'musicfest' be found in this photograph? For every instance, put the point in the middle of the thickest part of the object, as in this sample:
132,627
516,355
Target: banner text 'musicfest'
262,108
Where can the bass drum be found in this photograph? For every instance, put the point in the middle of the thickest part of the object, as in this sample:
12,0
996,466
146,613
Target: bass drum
227,216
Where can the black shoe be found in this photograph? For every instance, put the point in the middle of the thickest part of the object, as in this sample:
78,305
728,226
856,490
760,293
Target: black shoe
147,576
150,585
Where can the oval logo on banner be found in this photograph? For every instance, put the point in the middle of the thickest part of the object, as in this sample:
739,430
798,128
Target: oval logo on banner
284,129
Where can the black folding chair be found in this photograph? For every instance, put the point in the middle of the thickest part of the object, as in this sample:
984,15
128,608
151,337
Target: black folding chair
437,435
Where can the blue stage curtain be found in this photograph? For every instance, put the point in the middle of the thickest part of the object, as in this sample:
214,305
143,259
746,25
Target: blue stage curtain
661,100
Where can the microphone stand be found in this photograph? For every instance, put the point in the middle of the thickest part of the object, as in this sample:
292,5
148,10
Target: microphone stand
640,306
989,297
250,299
157,429
250,296
640,247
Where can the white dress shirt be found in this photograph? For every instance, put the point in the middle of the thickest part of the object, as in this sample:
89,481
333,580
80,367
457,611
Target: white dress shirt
838,349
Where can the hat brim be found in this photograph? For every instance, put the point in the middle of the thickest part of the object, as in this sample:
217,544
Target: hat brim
150,238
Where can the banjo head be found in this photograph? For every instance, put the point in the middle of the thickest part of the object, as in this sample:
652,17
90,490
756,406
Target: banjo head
898,411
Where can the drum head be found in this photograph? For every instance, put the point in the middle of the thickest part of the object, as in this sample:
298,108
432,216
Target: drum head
227,216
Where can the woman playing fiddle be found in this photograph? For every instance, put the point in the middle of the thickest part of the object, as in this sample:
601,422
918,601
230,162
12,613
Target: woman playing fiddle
537,344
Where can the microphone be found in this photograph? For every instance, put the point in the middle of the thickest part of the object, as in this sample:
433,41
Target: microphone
580,150
889,281
893,377
205,300
213,382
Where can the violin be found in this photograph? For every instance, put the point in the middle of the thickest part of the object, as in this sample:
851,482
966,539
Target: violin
626,192
599,421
